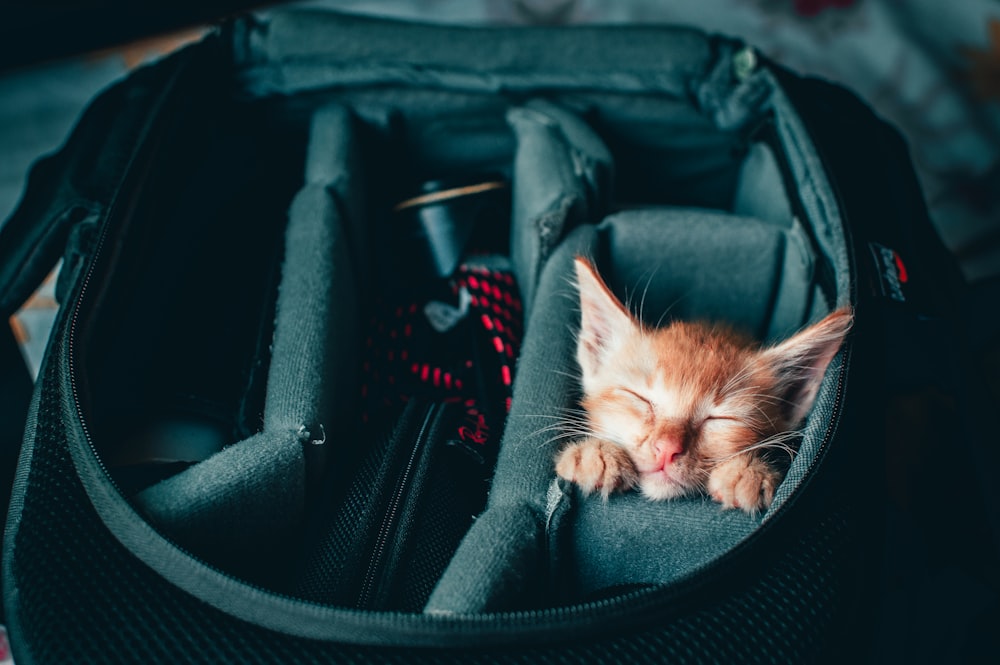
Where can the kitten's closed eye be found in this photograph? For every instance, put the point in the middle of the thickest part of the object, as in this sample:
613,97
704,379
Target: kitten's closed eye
635,402
690,407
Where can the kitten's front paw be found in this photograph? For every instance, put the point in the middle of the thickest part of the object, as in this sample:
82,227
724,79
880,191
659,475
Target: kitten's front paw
596,465
745,483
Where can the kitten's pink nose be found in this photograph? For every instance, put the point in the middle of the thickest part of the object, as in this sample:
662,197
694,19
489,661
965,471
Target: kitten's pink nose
667,451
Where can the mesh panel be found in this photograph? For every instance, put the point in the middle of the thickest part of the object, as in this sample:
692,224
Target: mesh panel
438,525
323,578
83,598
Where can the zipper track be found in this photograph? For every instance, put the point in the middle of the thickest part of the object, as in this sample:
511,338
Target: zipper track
390,518
535,626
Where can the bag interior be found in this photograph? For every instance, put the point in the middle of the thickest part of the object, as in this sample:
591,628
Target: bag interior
223,370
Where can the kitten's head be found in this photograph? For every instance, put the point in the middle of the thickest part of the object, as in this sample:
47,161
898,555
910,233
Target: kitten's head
683,398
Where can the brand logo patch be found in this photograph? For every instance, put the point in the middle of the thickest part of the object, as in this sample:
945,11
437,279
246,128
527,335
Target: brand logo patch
891,271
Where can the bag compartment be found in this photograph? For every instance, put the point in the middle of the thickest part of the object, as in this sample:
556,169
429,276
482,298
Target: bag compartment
176,368
395,525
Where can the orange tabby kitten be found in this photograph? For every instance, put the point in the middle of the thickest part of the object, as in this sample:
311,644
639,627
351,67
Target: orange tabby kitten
689,407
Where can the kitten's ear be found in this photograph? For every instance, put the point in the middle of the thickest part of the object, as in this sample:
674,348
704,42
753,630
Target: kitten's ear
604,321
800,361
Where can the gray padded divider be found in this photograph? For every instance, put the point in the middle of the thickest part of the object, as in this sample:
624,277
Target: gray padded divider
760,191
562,171
241,496
314,369
334,161
483,574
798,300
693,264
632,540
501,567
546,384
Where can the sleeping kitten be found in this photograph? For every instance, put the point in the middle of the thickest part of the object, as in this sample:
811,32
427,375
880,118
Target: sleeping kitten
689,407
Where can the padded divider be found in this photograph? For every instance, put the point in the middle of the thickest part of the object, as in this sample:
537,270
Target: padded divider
760,190
546,385
562,174
314,367
235,505
692,264
799,299
334,162
483,575
630,540
500,568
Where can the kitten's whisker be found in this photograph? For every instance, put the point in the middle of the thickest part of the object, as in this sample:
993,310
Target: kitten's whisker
736,379
573,409
778,442
550,428
645,292
539,415
763,414
769,443
564,411
571,428
563,421
670,308
764,397
701,470
568,436
562,437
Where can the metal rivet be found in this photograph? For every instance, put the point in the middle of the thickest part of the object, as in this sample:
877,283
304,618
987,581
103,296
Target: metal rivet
305,434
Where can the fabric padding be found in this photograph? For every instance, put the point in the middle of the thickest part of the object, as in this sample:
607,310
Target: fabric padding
693,264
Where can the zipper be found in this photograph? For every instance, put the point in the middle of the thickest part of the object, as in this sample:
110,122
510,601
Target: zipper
391,517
